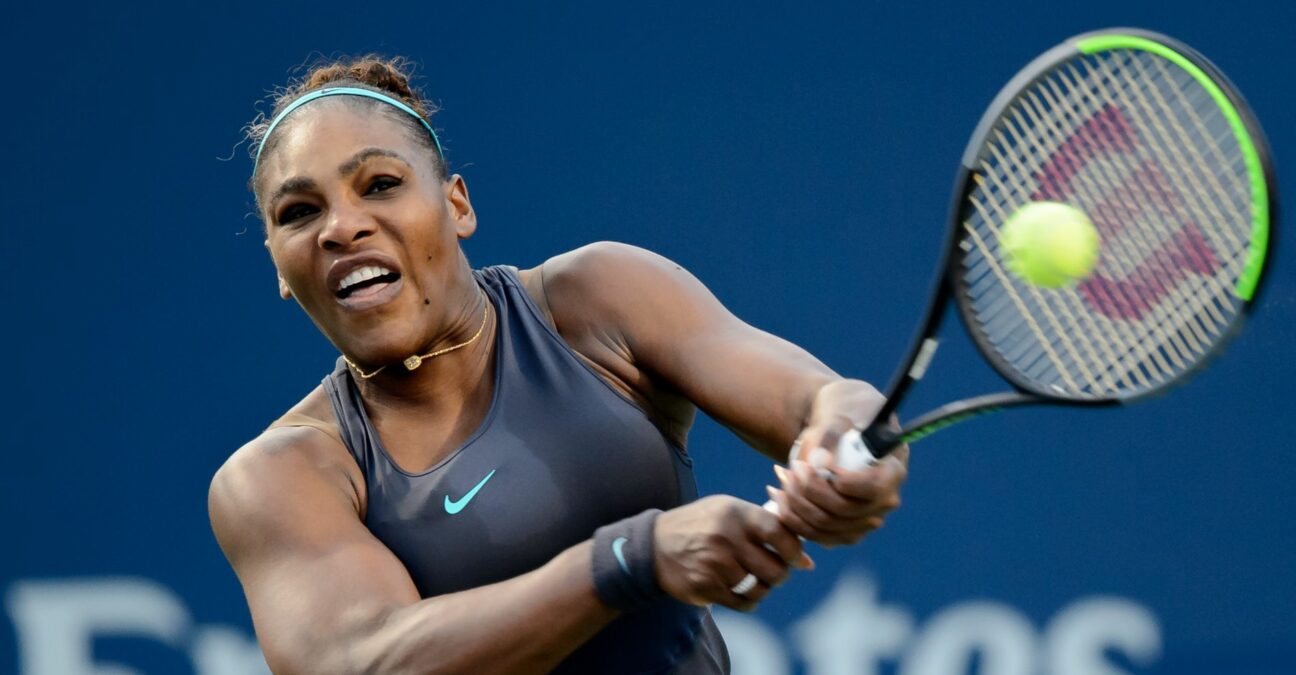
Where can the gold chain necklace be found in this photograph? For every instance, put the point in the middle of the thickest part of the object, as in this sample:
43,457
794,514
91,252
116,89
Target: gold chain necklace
413,362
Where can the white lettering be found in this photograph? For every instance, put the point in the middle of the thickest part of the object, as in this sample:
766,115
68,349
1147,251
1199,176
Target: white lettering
850,632
1077,637
56,621
754,649
223,650
1004,639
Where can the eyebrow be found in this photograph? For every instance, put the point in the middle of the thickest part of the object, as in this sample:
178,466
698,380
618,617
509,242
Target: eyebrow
351,165
303,184
296,184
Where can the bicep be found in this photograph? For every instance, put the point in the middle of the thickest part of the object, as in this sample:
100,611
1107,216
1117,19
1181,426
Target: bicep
311,571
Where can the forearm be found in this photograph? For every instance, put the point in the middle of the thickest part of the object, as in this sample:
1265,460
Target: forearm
818,400
527,624
852,401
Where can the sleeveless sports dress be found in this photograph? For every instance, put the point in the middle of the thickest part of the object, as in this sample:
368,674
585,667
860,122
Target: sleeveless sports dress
559,454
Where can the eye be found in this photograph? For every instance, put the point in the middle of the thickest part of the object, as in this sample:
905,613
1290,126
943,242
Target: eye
382,184
294,212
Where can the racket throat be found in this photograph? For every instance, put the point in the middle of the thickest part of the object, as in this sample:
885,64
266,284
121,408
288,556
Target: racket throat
882,440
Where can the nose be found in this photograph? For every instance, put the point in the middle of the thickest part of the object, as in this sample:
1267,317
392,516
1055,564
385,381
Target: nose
344,225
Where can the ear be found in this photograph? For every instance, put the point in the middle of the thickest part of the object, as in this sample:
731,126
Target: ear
461,210
284,291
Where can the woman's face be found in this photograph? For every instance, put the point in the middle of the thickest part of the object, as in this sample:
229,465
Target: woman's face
363,233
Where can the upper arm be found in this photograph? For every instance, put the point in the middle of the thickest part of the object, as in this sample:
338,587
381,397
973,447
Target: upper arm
285,515
670,326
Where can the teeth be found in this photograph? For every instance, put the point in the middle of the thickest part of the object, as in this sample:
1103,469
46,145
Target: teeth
362,274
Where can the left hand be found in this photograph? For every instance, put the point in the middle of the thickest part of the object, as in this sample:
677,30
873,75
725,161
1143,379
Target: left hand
844,506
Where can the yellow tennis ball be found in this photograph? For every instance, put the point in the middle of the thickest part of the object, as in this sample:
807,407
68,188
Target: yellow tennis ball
1049,244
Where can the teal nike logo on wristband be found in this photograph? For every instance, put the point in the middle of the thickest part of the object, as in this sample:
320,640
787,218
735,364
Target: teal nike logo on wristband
617,545
455,506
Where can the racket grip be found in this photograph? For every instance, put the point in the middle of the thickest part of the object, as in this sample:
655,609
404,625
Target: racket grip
852,454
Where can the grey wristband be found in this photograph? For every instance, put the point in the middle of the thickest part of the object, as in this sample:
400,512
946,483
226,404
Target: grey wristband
622,563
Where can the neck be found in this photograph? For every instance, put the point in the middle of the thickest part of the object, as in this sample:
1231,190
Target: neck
447,381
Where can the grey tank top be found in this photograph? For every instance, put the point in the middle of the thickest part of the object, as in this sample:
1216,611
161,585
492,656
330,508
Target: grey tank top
559,454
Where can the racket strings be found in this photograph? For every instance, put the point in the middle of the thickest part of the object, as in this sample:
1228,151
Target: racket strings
1141,194
1017,187
1191,193
1016,343
1153,111
1001,215
1179,141
1161,198
1202,203
1239,192
1037,295
1022,351
1136,246
1036,101
1069,301
1138,144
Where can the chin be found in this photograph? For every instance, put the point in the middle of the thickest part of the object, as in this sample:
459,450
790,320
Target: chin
377,346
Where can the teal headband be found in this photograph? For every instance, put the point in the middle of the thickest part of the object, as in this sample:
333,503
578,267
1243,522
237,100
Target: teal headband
344,91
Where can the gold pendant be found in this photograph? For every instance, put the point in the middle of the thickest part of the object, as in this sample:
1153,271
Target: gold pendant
413,362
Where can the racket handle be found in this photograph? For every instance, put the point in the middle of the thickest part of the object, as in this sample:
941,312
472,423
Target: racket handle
852,454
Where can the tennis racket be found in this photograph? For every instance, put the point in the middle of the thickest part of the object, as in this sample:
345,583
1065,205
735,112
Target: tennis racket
1158,148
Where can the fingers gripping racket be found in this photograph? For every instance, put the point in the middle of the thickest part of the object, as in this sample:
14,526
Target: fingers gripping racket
1147,138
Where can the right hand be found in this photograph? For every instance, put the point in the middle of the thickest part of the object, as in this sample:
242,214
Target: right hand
703,549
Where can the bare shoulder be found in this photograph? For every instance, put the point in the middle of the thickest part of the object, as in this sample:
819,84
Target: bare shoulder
282,473
610,302
276,456
608,285
608,266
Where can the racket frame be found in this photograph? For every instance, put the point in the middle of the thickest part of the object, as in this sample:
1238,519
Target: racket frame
880,436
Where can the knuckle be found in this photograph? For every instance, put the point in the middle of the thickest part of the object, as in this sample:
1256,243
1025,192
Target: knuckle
860,489
772,530
803,530
716,588
787,550
818,519
707,580
696,580
772,572
838,508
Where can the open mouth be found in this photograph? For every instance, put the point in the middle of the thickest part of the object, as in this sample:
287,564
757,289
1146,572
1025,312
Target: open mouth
365,281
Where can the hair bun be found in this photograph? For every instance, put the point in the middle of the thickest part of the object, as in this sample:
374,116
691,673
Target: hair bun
389,75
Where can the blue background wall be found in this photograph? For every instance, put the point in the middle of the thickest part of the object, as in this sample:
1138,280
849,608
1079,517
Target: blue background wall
796,157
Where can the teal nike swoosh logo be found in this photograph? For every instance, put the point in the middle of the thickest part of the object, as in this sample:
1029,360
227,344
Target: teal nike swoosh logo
455,506
617,545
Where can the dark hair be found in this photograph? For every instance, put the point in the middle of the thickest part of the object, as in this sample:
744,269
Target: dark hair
390,76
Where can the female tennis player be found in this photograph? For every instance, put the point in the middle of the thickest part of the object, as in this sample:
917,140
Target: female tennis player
494,479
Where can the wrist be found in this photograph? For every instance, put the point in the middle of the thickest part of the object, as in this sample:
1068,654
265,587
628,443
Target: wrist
621,562
845,403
